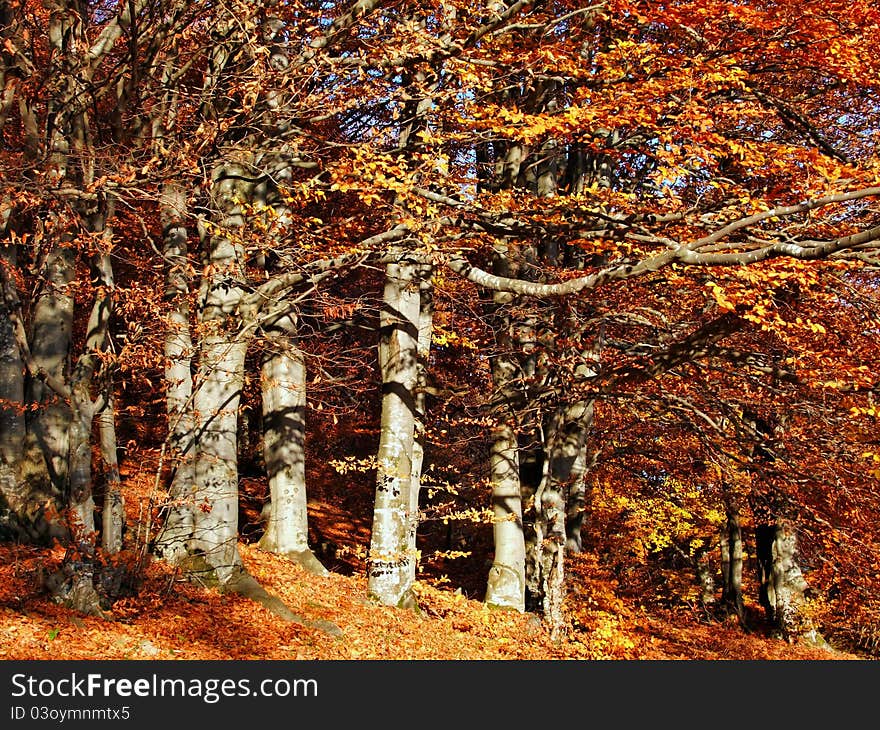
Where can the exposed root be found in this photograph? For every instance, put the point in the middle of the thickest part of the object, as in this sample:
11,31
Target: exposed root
306,560
244,584
197,569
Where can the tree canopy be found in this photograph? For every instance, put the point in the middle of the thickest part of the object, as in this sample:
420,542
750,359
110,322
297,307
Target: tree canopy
593,276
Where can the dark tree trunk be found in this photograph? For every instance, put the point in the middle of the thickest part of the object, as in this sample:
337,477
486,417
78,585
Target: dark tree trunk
732,565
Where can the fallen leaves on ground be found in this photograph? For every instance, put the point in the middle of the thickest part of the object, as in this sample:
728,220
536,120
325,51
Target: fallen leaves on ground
174,619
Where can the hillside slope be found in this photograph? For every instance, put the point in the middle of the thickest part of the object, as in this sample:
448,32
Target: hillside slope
167,618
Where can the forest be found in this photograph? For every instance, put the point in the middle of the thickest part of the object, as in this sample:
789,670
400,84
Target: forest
390,329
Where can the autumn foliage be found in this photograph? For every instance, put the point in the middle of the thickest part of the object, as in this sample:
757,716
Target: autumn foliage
638,247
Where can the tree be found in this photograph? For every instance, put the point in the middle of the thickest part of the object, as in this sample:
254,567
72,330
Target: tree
651,221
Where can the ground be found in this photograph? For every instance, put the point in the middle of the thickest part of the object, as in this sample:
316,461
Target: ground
168,618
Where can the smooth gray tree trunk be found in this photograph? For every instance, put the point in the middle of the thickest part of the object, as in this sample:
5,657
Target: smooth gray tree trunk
104,410
203,539
83,409
177,527
47,439
506,585
113,511
218,390
389,571
98,338
284,435
217,396
507,579
426,329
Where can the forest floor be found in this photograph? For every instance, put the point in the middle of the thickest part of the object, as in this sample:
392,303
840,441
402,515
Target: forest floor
168,618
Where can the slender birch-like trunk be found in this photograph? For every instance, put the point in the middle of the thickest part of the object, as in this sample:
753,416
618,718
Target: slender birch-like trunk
113,510
83,409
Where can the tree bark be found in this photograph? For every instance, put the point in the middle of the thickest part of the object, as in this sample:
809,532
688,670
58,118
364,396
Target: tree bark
568,466
507,580
16,510
113,511
103,410
426,329
284,409
549,544
732,564
705,577
218,390
177,526
784,590
47,439
217,395
506,586
390,558
83,409
576,500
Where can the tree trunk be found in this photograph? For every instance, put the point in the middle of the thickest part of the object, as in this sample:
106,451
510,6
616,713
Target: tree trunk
576,501
81,593
203,539
284,408
506,586
19,516
564,463
179,514
63,430
705,577
549,544
507,580
732,565
426,326
579,422
47,440
510,462
81,502
389,565
113,511
215,518
784,590
83,409
568,465
218,391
